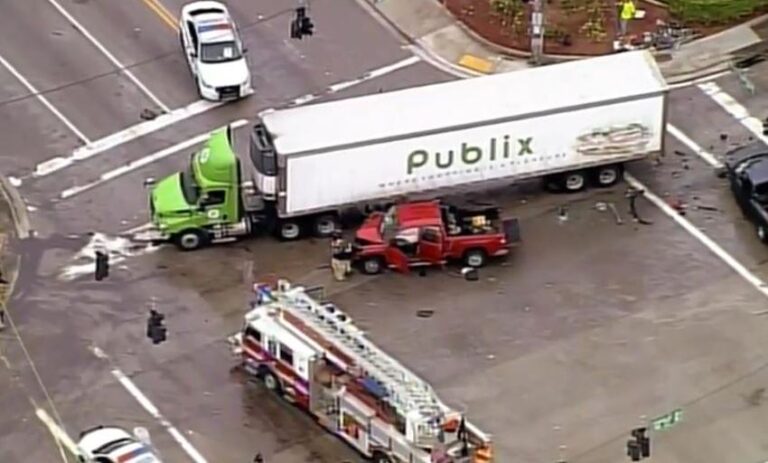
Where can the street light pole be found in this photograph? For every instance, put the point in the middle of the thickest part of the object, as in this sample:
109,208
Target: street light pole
537,32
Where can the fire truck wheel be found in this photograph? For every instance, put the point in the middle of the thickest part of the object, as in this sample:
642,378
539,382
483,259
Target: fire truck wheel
380,457
372,265
272,383
189,240
475,258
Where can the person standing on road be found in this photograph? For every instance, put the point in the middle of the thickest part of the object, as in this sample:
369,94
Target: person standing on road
338,254
627,14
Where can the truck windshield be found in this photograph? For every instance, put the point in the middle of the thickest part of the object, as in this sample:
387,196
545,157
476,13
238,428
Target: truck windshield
262,151
189,187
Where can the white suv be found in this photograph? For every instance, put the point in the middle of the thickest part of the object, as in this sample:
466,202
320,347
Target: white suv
214,51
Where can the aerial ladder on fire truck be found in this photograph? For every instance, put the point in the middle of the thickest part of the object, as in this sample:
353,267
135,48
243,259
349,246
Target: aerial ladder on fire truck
411,396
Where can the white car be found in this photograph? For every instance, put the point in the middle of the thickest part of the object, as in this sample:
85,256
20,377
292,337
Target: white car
108,444
214,51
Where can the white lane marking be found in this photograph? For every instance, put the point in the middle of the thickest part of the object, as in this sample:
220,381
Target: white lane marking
708,157
141,162
699,80
117,248
150,408
715,248
735,109
59,434
109,55
124,136
370,75
44,100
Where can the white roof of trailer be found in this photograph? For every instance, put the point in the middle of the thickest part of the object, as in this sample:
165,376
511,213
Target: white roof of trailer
463,102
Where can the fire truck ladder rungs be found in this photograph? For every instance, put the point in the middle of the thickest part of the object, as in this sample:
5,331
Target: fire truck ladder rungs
405,389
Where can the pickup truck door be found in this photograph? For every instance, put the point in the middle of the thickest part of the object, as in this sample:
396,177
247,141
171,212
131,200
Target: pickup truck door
431,245
397,258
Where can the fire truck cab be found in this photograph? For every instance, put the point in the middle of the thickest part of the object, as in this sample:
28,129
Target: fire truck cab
310,353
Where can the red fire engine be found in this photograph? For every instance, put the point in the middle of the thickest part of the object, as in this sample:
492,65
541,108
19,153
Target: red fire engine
310,353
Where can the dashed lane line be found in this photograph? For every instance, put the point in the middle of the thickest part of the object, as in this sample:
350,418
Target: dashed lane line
150,408
124,136
109,55
141,162
42,99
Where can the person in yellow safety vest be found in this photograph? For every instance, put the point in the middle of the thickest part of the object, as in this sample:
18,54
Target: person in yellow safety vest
627,13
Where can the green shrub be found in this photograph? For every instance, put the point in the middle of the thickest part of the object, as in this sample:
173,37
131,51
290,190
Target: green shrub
714,11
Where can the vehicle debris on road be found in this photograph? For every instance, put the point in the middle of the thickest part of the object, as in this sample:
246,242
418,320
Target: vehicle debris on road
632,194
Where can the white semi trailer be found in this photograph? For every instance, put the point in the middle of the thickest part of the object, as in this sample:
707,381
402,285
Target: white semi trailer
573,124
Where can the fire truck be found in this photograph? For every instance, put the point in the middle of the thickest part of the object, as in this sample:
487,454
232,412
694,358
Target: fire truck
310,353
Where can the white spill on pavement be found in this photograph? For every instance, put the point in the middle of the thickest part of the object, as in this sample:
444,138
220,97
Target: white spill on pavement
118,248
150,408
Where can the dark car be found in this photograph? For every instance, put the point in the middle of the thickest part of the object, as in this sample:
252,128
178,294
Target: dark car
747,171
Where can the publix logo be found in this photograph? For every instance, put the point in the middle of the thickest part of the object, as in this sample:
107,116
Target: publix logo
469,154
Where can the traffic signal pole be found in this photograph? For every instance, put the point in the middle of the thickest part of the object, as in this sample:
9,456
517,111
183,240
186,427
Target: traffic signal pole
537,32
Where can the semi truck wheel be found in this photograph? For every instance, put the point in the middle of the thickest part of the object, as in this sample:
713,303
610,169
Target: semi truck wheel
605,176
762,233
571,182
475,258
289,231
324,225
189,240
372,265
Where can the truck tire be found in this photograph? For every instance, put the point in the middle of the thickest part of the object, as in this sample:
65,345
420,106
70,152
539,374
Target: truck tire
289,230
272,383
324,225
606,176
475,258
372,265
190,240
571,182
380,457
762,233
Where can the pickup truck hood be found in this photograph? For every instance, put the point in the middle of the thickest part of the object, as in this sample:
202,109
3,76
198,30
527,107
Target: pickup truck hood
369,230
224,74
168,198
734,157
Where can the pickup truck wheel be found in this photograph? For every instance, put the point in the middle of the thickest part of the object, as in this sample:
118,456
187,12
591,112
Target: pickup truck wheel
372,265
289,231
573,181
324,225
475,258
762,233
189,240
606,176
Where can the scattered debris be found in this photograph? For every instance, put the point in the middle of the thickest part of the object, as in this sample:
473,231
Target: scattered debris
632,194
680,153
601,206
723,137
147,114
15,181
425,313
755,398
702,207
470,274
677,204
616,215
562,214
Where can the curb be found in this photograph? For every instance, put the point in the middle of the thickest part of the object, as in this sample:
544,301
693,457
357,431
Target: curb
17,206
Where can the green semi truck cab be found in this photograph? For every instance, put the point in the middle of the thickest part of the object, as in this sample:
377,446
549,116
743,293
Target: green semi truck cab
206,202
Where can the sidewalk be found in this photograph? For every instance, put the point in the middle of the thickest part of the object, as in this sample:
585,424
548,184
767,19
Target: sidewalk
428,25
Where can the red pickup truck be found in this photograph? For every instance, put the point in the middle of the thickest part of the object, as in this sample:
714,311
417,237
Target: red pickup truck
430,233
